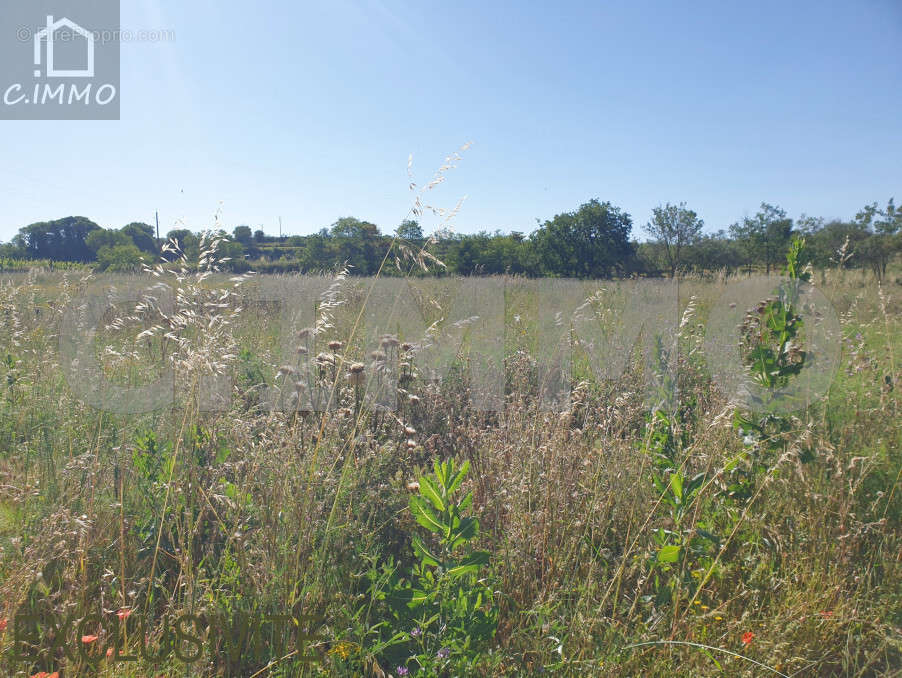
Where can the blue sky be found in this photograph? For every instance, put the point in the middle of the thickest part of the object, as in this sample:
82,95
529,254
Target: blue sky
309,111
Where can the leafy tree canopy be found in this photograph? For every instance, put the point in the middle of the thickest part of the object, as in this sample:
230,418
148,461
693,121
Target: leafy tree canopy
592,242
60,240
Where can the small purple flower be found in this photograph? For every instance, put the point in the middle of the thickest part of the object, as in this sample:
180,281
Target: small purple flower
444,653
416,633
402,671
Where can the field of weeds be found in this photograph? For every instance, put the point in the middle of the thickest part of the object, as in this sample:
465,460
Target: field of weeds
345,478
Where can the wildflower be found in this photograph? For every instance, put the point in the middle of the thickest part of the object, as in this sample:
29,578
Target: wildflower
123,613
409,430
718,618
87,640
413,486
323,359
411,444
334,345
402,671
342,649
827,614
355,376
444,653
3,623
747,638
416,632
406,346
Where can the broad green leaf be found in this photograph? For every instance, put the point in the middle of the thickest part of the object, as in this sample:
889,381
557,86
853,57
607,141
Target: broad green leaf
676,482
669,554
467,529
424,515
428,490
458,478
470,564
223,454
424,554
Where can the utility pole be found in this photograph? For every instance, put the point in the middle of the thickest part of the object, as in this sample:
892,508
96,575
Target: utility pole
157,216
280,228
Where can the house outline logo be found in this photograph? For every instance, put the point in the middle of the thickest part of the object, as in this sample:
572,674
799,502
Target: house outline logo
47,35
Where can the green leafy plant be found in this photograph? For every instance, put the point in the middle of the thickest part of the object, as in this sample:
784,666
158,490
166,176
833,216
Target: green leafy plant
771,349
444,609
679,549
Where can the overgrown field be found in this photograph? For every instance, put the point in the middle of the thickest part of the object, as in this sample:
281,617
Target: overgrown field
405,530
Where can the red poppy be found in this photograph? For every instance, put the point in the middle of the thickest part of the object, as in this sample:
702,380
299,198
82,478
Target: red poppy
88,639
747,638
123,613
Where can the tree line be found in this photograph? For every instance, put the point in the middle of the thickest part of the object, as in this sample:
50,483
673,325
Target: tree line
596,240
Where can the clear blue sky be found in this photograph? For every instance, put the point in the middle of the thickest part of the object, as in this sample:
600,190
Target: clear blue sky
309,111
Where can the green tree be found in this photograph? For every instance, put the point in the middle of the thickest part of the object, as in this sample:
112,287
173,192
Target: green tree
410,230
102,237
837,243
765,236
358,242
187,242
592,242
243,235
887,221
142,235
886,224
674,227
59,240
119,259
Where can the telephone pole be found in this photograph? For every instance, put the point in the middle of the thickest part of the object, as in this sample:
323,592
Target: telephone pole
157,216
280,228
